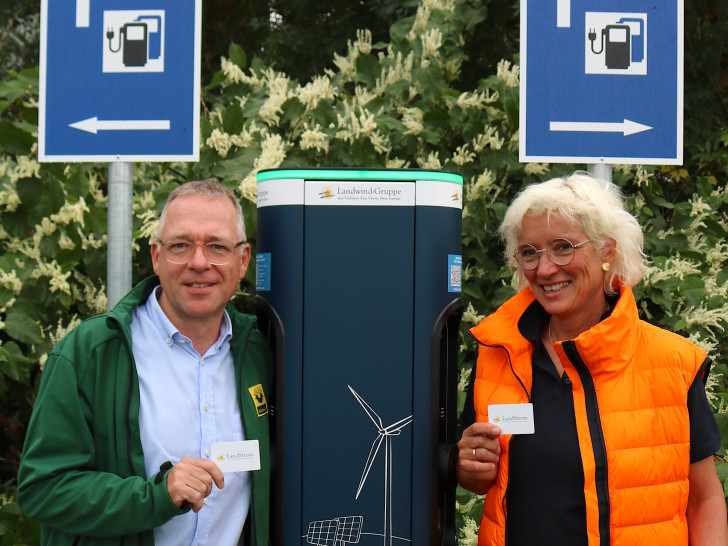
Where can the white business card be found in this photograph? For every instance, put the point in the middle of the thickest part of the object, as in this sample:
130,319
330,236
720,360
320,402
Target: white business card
512,418
236,456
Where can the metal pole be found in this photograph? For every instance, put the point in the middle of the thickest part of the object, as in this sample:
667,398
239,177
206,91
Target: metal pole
118,264
603,171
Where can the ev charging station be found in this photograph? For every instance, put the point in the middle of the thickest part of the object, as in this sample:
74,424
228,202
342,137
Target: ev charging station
358,280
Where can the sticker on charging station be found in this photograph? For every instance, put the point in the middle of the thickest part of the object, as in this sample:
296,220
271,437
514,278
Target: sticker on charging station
262,272
435,193
455,272
284,191
381,194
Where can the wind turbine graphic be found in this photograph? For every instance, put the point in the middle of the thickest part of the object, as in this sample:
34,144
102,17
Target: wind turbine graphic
384,434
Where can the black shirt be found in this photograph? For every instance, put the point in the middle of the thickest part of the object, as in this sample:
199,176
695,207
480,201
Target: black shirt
545,496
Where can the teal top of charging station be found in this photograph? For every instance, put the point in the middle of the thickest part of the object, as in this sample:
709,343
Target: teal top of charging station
393,175
359,187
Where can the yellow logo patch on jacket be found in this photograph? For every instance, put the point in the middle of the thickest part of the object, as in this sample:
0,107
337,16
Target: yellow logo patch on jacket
261,406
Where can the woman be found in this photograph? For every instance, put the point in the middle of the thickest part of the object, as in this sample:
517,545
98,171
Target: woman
624,436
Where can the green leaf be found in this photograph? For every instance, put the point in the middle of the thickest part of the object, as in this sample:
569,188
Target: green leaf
232,119
22,327
694,289
13,139
13,364
293,109
367,69
237,55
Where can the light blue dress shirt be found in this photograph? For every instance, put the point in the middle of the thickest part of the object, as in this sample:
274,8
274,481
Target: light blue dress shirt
187,403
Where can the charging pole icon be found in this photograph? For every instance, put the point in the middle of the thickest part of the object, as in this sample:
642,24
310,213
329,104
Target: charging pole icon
134,41
616,43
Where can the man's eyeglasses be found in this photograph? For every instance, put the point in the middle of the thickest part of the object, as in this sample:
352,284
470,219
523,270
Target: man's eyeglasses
180,251
560,251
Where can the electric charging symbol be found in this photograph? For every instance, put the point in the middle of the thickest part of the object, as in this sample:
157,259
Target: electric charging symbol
134,41
616,43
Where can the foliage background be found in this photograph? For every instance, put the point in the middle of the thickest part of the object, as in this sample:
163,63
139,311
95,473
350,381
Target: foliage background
419,84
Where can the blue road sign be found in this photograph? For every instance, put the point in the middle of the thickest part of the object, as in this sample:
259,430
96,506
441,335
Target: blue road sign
119,80
601,81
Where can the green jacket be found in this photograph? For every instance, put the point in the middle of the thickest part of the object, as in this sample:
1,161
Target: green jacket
82,472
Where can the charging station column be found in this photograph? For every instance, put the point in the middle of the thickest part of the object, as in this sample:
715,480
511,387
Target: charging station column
358,278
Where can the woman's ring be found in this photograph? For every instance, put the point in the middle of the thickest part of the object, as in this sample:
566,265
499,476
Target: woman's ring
474,457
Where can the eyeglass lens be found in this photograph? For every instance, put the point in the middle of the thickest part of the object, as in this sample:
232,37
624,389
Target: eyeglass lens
216,252
560,251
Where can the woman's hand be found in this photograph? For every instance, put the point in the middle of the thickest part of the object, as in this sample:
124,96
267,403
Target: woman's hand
478,458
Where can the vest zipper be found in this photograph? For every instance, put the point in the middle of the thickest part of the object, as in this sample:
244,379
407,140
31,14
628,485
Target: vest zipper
597,438
528,395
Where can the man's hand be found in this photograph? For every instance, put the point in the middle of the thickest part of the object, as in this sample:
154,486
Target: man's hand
190,481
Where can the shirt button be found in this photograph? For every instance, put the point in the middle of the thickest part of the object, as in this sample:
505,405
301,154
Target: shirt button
168,340
205,501
207,407
202,361
207,452
567,381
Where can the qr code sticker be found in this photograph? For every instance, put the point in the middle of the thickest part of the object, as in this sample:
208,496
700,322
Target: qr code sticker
455,272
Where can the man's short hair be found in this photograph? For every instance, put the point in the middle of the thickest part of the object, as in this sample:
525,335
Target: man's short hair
209,188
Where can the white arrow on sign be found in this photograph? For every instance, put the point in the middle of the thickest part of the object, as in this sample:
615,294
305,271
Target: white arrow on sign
94,125
627,127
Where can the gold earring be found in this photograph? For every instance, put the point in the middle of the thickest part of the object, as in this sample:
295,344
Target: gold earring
606,266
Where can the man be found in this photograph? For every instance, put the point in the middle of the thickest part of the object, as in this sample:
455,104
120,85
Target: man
118,449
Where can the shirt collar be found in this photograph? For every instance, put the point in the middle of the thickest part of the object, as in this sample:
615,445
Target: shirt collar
535,316
169,331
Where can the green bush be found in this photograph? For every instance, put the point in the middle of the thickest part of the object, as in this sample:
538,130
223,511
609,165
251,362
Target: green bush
397,104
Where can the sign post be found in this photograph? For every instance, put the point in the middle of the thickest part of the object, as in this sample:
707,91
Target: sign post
119,82
601,81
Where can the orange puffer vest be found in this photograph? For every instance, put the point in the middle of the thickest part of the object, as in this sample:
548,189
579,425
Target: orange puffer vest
630,384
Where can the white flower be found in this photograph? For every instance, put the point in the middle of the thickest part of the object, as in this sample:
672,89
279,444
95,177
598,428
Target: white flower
397,68
65,242
249,188
233,73
462,155
26,168
675,267
150,221
536,168
431,43
471,316
508,73
58,279
71,212
641,176
490,138
272,154
396,163
364,41
380,142
315,139
317,89
431,163
420,22
63,330
345,65
11,282
220,142
464,380
481,186
89,241
412,119
468,535
10,199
